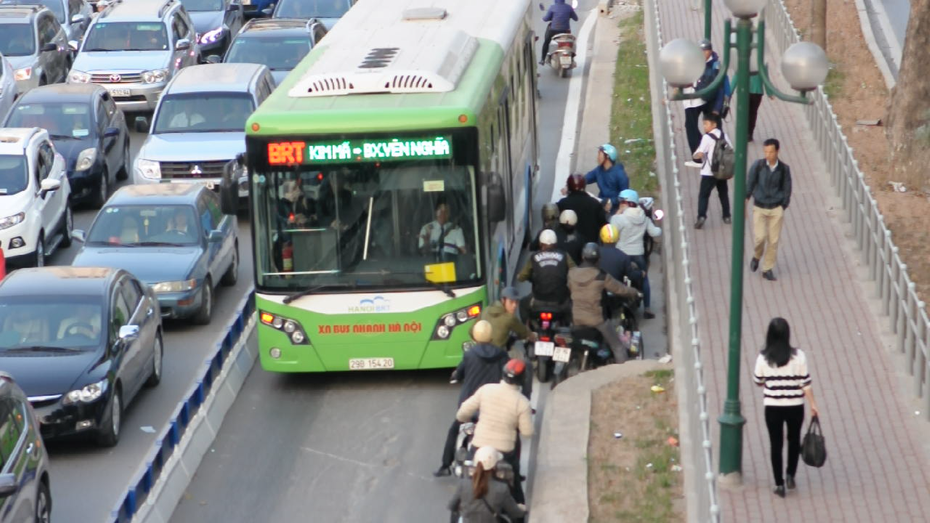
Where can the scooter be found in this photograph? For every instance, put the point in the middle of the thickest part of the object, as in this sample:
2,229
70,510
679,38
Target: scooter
463,448
502,472
647,204
561,55
544,321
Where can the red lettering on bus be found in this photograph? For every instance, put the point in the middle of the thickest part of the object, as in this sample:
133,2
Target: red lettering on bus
286,153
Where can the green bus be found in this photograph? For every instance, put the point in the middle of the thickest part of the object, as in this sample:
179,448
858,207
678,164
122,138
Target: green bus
390,182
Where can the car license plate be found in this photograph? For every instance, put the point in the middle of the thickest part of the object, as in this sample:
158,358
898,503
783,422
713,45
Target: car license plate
562,354
120,93
566,60
371,363
246,2
544,348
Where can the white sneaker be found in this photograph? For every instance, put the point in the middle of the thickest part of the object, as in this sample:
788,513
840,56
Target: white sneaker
690,163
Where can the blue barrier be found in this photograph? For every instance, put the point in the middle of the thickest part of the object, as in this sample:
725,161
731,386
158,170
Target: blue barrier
177,425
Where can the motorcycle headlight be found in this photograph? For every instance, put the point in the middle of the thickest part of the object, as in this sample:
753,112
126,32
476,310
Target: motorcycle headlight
86,159
87,394
211,36
23,74
9,221
78,77
148,169
154,76
174,286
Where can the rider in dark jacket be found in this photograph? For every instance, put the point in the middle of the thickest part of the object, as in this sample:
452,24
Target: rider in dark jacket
590,212
548,271
559,17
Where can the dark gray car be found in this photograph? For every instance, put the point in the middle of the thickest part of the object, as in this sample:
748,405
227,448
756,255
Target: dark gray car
24,478
35,44
216,23
279,43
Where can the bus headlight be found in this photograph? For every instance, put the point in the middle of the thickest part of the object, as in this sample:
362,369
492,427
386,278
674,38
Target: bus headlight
448,322
297,337
292,328
442,332
275,352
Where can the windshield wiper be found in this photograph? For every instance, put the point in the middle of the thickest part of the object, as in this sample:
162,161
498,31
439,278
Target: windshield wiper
444,287
306,292
155,244
98,50
40,348
61,136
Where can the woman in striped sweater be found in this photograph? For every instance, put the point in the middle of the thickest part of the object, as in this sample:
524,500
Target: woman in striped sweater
782,370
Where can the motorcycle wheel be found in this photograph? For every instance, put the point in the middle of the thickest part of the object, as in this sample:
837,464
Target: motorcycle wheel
563,72
543,369
558,375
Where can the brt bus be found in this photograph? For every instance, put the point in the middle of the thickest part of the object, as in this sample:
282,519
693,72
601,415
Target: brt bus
390,178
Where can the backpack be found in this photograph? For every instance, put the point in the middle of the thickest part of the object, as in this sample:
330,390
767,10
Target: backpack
722,163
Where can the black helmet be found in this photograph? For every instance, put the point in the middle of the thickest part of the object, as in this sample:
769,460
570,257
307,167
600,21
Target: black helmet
591,253
513,371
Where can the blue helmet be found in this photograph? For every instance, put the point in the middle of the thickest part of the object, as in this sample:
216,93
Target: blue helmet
610,151
629,195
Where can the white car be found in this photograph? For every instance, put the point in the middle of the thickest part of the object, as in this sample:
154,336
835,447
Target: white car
35,213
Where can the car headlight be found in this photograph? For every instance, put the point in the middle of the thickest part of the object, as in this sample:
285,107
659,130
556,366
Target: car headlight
23,74
86,159
75,77
9,221
154,76
148,169
87,394
174,286
211,36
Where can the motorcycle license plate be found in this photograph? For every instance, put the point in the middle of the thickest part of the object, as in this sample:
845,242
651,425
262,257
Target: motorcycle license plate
371,363
543,348
120,93
565,60
562,354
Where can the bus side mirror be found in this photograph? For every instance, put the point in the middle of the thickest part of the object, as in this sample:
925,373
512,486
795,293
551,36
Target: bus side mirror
496,200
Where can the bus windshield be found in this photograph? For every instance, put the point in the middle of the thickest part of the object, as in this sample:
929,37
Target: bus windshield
396,224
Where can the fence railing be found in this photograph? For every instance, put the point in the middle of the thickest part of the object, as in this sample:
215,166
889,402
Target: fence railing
167,442
907,315
700,457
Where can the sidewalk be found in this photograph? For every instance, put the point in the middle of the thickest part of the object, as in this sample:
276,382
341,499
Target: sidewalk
879,464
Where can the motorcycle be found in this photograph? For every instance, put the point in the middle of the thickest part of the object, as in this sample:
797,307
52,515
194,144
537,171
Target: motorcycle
544,321
502,472
647,204
561,57
463,448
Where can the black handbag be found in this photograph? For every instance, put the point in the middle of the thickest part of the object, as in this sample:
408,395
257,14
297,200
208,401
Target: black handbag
813,448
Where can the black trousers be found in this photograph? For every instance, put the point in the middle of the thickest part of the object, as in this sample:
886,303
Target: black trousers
755,100
547,39
693,132
775,420
448,451
708,184
513,457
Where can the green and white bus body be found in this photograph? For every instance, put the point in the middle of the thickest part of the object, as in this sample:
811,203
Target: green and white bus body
398,110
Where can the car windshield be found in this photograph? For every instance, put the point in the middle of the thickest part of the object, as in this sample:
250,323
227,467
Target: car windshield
203,112
127,36
307,9
62,120
279,54
55,6
146,225
193,6
51,322
17,40
12,174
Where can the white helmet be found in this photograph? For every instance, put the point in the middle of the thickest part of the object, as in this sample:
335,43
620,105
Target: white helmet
488,457
568,217
547,237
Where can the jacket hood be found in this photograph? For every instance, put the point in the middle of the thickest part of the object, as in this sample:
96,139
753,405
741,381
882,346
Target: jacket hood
584,275
496,310
487,352
635,215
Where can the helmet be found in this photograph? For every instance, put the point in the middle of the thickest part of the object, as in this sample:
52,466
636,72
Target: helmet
568,217
550,212
610,151
481,331
513,371
488,457
591,252
609,234
576,182
629,195
548,237
706,45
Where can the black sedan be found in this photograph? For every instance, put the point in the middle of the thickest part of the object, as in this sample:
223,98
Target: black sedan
81,342
86,128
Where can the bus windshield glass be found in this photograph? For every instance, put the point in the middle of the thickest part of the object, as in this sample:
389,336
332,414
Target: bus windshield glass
408,219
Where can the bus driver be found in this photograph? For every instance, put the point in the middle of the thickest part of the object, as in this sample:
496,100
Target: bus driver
442,238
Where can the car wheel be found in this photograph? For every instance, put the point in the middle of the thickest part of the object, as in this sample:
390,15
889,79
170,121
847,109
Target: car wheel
159,352
43,504
123,172
206,306
68,228
39,259
103,191
110,432
232,274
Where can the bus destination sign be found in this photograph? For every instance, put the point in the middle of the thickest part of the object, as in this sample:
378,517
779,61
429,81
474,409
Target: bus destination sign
304,153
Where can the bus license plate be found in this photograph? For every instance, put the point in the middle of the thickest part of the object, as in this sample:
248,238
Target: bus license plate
371,363
562,354
544,348
120,93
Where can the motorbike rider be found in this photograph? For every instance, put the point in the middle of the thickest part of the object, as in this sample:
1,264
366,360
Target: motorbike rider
587,283
559,17
548,271
633,223
502,317
567,235
550,217
616,262
590,212
505,415
483,363
610,176
481,497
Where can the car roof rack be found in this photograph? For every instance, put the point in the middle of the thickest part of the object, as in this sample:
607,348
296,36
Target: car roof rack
167,5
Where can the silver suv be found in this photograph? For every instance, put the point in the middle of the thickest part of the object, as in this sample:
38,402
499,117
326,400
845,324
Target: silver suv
35,44
134,48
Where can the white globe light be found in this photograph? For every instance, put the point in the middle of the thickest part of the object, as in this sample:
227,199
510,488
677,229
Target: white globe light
681,62
805,66
744,8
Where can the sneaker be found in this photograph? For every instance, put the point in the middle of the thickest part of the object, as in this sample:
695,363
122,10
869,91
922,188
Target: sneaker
443,471
780,491
790,483
694,164
542,62
699,223
648,314
727,220
754,264
769,275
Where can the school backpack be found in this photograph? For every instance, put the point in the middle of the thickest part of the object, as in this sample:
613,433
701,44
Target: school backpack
721,166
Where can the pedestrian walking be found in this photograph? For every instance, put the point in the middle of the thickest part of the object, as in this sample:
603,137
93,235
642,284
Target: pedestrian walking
782,371
769,185
705,154
696,107
756,93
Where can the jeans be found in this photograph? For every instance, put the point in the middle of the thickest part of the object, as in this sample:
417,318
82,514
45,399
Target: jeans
708,184
775,420
612,339
691,125
547,39
640,261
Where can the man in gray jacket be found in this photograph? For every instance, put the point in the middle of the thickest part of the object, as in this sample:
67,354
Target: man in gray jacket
769,185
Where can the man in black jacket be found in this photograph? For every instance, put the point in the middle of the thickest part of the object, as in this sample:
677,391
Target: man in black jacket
548,271
769,185
588,210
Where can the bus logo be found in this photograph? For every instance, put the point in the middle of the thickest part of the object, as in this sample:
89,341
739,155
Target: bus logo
375,304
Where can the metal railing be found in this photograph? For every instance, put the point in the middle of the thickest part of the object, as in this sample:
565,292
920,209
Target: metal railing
171,434
907,315
683,322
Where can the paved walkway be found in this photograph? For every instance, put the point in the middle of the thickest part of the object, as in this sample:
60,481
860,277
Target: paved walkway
878,467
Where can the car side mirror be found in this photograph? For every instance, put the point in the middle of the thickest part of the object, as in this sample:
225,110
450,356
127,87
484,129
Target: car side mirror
129,332
110,132
49,47
79,235
73,44
8,485
78,18
141,124
183,44
214,59
496,202
215,236
48,185
268,10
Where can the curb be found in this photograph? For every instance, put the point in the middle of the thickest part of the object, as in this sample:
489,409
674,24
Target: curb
894,48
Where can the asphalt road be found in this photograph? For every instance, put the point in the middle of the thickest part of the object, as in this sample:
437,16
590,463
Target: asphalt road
87,481
347,447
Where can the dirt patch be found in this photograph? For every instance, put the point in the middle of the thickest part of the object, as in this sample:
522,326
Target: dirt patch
857,92
635,477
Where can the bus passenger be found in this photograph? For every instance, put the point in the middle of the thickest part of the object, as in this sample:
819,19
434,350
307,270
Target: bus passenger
442,238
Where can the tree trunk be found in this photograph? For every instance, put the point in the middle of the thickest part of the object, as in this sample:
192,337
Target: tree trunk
819,23
908,116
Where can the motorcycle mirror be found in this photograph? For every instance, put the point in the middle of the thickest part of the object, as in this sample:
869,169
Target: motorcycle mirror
659,214
541,7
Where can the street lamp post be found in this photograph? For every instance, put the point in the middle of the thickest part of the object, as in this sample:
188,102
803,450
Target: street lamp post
805,67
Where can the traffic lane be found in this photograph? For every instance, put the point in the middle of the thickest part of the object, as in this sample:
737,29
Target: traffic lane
88,481
342,447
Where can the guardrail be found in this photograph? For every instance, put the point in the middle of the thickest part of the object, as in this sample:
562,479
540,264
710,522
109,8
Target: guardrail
697,455
898,294
167,442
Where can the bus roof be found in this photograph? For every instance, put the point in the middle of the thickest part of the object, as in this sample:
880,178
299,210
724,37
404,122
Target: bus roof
396,65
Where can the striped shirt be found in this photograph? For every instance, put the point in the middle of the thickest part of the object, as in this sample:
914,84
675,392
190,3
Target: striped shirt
784,386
